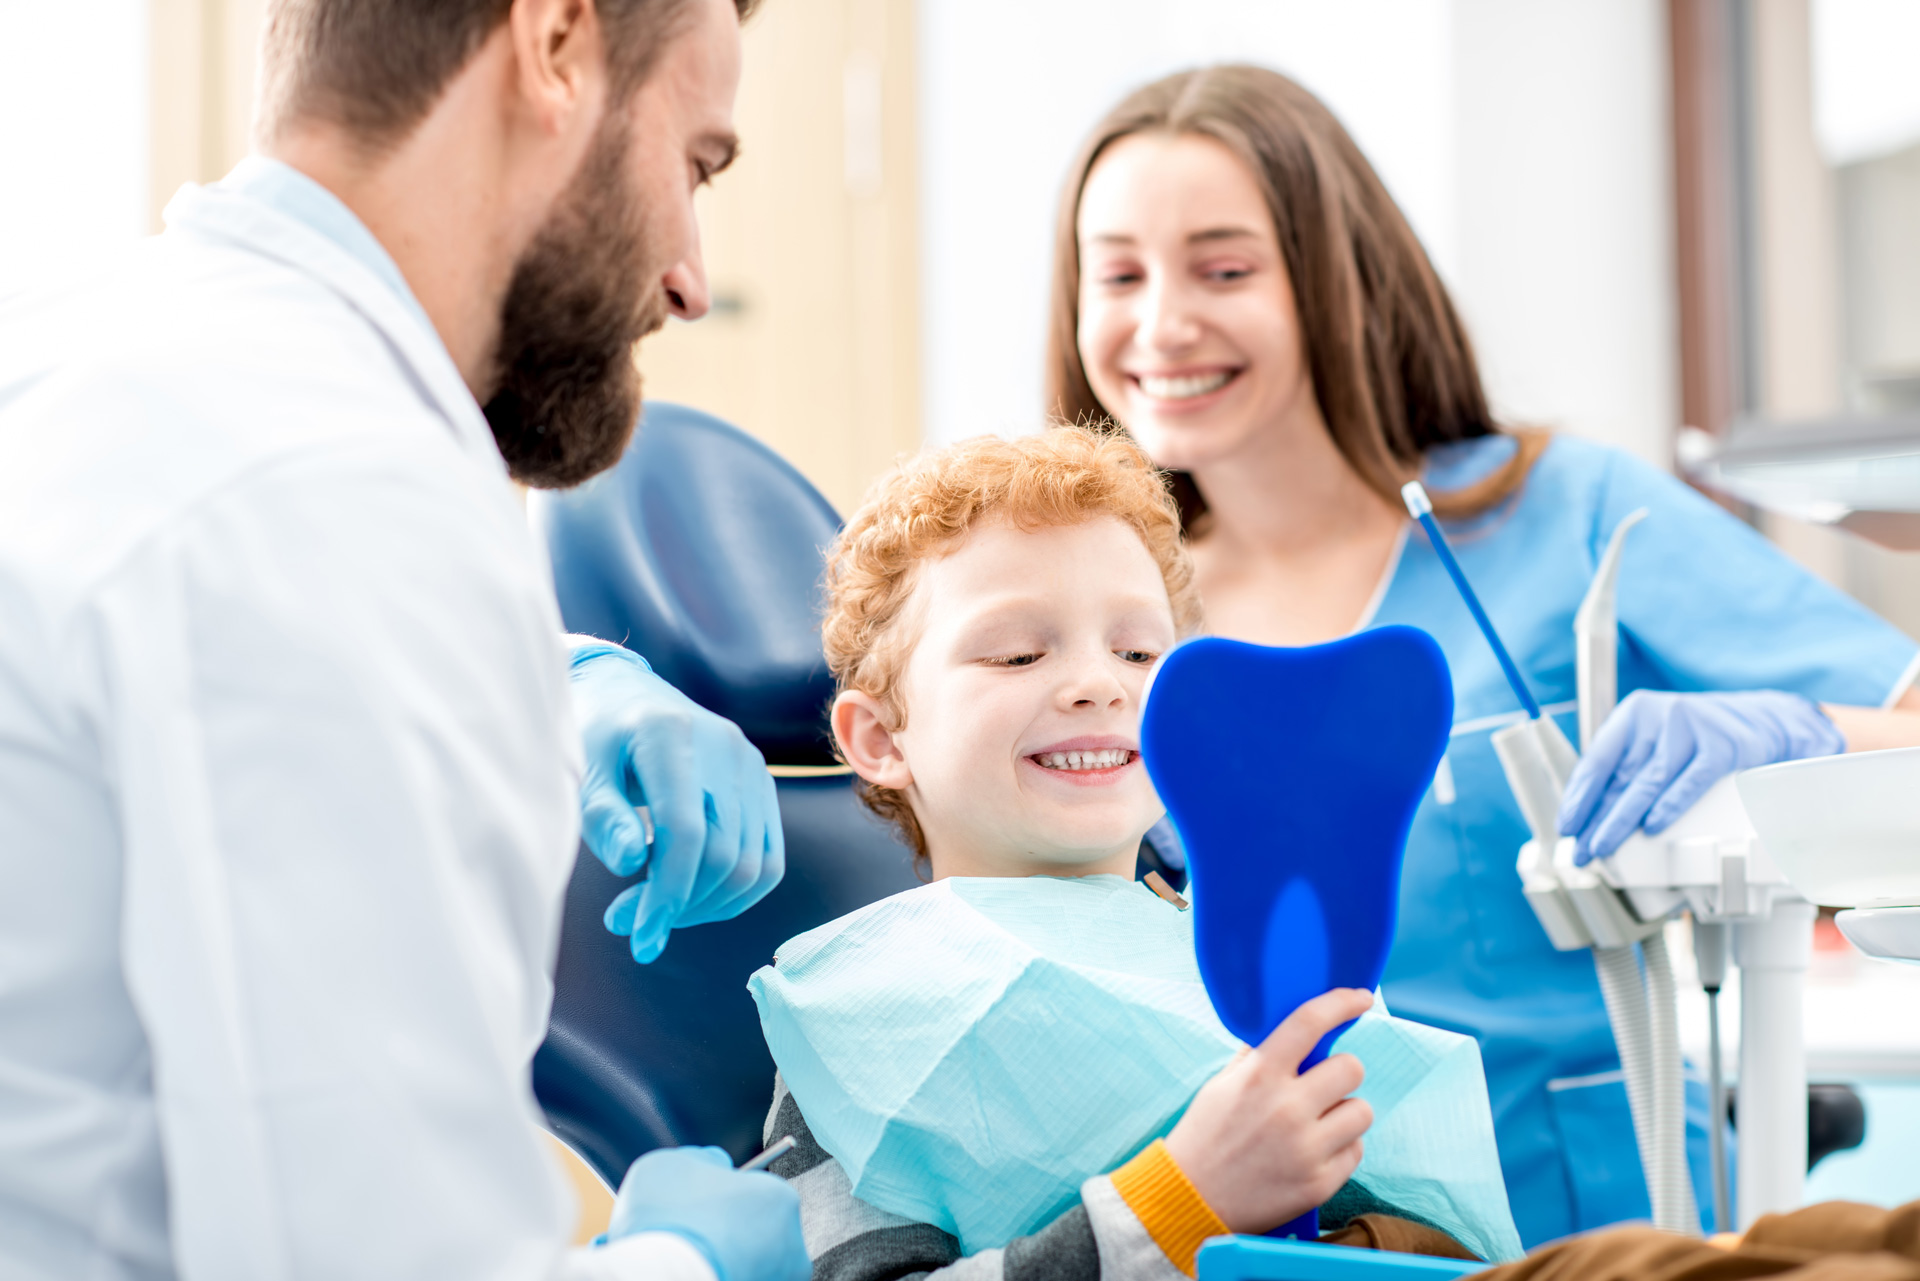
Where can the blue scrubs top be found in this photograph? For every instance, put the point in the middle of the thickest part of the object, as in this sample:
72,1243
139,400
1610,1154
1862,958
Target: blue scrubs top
1705,603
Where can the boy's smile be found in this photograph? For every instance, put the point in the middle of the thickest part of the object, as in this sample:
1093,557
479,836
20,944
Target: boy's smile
1096,760
1030,652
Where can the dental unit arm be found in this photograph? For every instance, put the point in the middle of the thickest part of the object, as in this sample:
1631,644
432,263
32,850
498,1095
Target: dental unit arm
1709,863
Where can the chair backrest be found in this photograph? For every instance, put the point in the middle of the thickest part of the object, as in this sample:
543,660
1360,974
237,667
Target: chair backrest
702,551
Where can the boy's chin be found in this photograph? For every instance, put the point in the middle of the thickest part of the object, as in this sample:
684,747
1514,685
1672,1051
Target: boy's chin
1043,841
1079,850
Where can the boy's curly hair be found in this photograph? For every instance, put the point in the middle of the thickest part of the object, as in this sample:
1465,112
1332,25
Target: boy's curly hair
925,506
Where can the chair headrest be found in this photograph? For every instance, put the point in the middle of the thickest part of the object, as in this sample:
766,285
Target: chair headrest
702,550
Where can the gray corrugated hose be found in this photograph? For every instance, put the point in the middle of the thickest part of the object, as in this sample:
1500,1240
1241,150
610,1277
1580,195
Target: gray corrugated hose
1646,1029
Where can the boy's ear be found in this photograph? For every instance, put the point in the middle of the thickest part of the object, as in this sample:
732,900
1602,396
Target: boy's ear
860,727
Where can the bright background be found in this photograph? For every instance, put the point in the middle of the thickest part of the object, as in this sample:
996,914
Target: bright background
880,253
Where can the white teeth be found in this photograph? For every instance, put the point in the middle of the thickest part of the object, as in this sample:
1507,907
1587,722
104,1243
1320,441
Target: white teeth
1183,388
1106,759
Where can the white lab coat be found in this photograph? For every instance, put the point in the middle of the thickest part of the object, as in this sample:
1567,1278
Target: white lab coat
287,786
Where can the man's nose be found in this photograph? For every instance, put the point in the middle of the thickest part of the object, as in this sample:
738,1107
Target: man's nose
686,287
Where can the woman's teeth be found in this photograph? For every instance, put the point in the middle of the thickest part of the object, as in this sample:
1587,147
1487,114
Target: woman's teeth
1084,760
1185,387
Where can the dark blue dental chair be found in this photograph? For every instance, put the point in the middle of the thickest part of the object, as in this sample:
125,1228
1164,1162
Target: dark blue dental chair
701,551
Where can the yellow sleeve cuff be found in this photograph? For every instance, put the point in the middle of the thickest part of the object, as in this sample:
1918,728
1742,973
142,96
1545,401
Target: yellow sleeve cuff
1171,1209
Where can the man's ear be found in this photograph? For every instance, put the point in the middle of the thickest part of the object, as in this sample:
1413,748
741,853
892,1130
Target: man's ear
560,57
860,728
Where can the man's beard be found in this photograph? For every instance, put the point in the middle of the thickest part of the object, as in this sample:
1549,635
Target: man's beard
585,291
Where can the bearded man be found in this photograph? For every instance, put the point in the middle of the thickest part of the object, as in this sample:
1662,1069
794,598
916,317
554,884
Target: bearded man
289,782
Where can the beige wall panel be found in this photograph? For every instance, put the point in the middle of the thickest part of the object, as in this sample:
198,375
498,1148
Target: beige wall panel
202,65
1799,268
177,57
811,248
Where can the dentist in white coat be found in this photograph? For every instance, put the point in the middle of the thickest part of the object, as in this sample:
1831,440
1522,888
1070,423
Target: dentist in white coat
289,780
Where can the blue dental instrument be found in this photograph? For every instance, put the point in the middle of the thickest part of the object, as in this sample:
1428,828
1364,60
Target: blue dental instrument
1420,507
1292,776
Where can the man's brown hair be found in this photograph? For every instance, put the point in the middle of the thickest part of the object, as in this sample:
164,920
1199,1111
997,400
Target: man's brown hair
1391,364
375,67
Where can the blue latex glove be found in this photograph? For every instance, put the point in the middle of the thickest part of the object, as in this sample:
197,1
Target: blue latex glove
717,844
1659,753
747,1223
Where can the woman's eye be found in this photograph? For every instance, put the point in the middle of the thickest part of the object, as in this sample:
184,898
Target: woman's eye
1229,274
1141,656
1115,279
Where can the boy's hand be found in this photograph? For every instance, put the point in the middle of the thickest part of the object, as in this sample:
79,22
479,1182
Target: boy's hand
1261,1143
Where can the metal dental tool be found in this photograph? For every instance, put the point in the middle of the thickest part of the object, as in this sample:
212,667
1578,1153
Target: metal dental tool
771,1155
1710,956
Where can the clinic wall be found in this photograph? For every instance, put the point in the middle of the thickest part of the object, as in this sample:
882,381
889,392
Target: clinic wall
73,149
1527,143
1564,263
201,70
812,250
1009,87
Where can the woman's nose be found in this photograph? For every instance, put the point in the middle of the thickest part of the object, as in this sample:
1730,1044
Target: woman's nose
1168,324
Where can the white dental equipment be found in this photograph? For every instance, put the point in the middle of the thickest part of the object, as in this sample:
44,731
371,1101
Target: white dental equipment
1709,862
1845,829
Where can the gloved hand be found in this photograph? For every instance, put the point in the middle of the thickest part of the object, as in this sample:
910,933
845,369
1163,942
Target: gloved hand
1658,753
747,1223
717,844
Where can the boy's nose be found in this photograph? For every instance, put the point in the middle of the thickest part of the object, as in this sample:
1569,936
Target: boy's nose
1093,685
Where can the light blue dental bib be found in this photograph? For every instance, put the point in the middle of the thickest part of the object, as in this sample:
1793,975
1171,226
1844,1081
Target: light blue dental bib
973,1050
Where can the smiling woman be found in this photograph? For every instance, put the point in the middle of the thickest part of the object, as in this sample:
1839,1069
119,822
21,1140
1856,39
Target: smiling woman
1278,226
1235,288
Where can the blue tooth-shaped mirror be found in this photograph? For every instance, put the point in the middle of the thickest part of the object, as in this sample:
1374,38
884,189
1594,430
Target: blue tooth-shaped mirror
1292,776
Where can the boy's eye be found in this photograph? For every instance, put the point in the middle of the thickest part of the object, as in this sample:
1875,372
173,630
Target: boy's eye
1014,660
1141,656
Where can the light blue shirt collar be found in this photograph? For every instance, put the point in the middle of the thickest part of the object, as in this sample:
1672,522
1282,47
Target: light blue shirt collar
281,187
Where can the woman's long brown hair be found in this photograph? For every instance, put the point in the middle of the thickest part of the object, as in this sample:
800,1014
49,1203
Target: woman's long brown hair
1392,367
